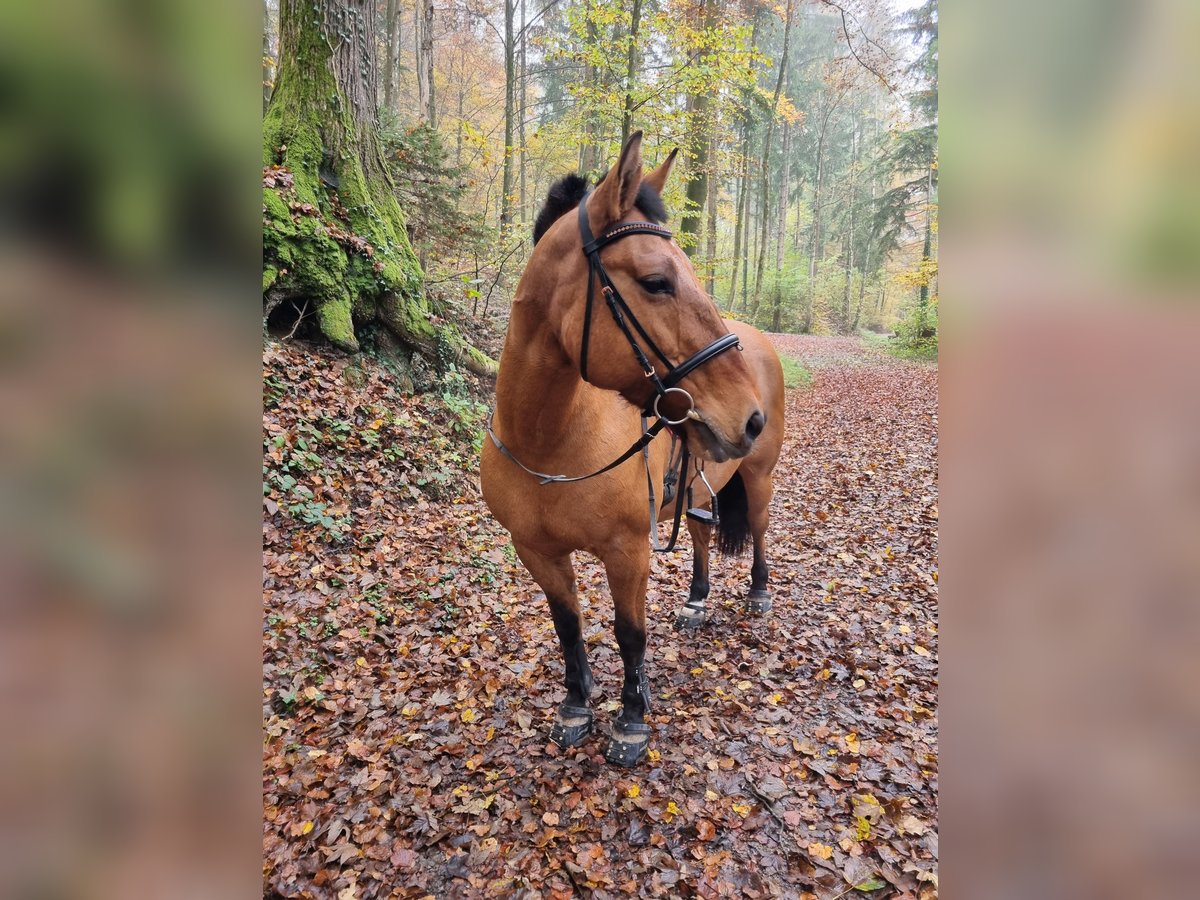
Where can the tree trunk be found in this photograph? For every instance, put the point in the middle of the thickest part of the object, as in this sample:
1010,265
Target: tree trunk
744,164
926,249
697,186
784,195
425,87
698,141
816,236
710,281
458,141
506,185
747,253
390,23
521,78
588,155
321,127
781,231
268,70
631,70
767,140
740,212
850,232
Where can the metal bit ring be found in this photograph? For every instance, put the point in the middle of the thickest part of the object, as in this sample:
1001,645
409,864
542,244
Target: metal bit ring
686,415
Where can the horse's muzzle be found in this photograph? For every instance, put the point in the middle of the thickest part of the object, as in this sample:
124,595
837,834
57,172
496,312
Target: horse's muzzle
718,447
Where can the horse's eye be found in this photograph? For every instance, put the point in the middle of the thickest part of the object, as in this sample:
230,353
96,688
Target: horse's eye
656,284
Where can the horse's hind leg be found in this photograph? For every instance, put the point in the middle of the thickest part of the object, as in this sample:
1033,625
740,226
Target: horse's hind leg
694,612
628,569
759,489
573,722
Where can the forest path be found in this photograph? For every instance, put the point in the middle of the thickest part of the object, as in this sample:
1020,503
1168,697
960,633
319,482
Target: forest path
794,754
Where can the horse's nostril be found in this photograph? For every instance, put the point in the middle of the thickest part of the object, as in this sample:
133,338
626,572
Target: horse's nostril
755,424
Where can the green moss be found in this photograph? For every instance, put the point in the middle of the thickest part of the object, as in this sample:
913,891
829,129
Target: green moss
307,126
274,207
334,318
270,273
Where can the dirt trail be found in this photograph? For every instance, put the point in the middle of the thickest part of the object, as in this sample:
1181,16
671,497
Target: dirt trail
794,755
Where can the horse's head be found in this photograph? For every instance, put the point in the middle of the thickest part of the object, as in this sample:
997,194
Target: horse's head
663,296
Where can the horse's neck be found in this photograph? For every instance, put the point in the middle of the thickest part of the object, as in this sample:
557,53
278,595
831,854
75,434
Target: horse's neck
539,394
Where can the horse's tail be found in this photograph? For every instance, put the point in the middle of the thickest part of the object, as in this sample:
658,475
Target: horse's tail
733,517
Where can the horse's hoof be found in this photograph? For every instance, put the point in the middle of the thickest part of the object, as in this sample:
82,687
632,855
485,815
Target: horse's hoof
689,618
628,744
571,726
759,602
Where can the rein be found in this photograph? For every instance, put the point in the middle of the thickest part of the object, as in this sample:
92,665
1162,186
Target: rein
663,386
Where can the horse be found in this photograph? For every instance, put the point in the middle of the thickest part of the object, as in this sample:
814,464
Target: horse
571,382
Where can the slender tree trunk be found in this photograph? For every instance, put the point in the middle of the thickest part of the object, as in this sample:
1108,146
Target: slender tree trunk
390,23
429,97
850,232
697,186
865,268
631,70
740,212
521,116
926,249
816,236
590,132
509,94
739,225
760,243
698,141
799,207
767,140
862,287
784,197
710,281
268,70
458,140
419,55
781,230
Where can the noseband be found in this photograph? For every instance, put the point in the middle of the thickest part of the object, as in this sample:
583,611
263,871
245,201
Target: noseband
623,316
663,385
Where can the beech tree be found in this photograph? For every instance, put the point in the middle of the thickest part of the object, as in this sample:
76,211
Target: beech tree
334,239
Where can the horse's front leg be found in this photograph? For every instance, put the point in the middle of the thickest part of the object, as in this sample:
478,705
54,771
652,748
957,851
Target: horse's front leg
628,571
694,612
556,575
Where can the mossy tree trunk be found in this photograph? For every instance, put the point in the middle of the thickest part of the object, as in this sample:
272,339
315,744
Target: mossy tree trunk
333,232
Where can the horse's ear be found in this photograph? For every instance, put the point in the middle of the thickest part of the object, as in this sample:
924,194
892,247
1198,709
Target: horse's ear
617,193
658,178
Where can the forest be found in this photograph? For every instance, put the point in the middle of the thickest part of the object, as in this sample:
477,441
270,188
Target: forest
808,134
416,740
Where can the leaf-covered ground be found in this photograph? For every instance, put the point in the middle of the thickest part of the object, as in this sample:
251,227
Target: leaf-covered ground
411,669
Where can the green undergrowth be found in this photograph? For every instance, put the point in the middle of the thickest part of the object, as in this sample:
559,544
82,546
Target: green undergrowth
794,374
925,350
343,440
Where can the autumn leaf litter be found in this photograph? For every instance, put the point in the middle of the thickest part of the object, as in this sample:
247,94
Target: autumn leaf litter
411,670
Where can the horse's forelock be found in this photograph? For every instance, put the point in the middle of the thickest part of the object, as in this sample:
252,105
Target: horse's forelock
565,194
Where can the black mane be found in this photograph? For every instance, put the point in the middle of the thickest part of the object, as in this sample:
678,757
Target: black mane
566,193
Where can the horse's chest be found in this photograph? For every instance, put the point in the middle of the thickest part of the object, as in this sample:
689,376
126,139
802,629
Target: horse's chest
555,518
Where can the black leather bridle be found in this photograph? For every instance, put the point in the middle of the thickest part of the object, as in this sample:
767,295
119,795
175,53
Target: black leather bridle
623,316
663,385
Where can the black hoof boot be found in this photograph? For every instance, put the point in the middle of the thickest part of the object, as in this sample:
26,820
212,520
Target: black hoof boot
571,726
759,602
691,616
628,744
